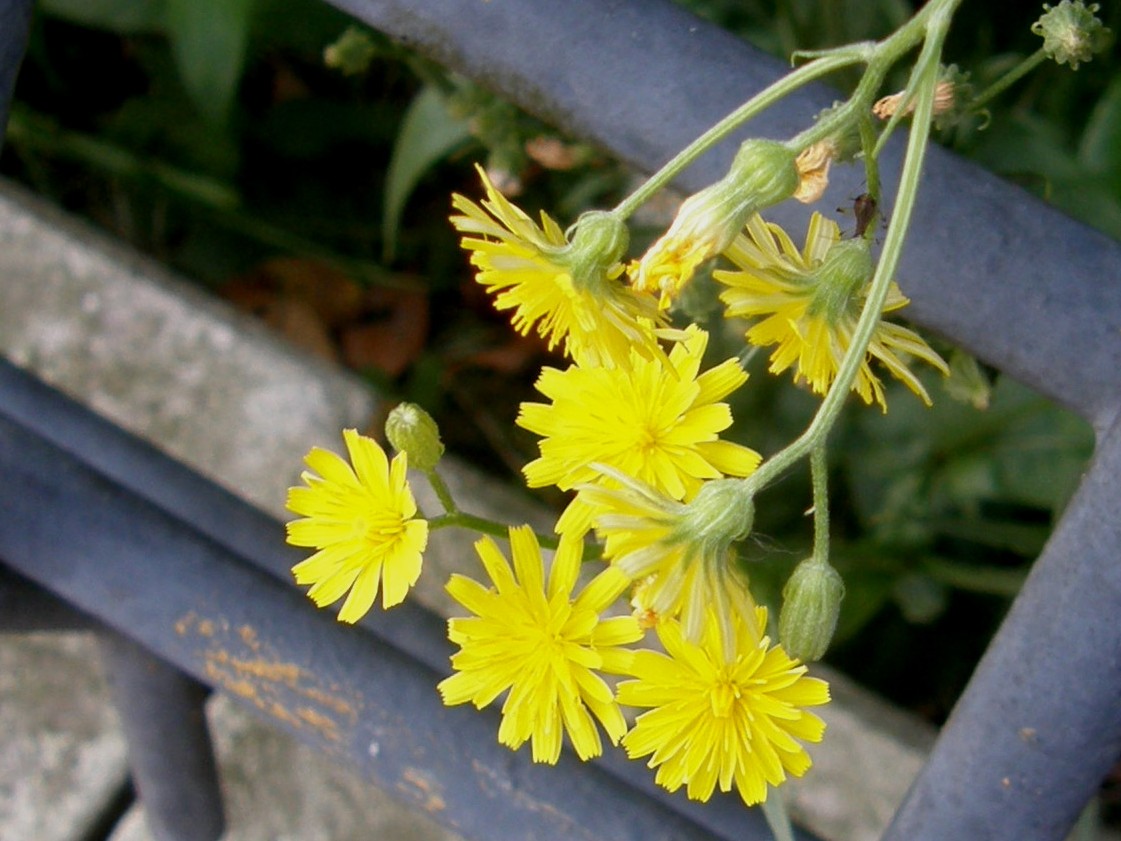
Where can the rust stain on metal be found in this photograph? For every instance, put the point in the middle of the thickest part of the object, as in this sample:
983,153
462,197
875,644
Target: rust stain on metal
423,789
238,662
326,699
249,637
324,724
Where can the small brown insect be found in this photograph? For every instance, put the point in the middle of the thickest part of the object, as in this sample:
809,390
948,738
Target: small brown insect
864,209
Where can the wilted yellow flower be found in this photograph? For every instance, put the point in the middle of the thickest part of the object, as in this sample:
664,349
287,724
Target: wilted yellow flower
657,420
532,638
813,164
361,520
569,292
810,301
944,102
722,715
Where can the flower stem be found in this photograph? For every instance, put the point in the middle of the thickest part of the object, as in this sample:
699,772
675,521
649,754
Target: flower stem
819,471
761,101
482,525
1008,79
924,80
442,492
774,810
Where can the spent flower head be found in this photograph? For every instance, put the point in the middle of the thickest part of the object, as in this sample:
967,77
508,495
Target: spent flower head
657,420
531,638
362,520
808,302
1071,32
567,291
722,712
763,173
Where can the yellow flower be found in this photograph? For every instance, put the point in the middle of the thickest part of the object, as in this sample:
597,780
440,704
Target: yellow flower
362,522
810,301
679,554
657,420
532,638
721,715
570,293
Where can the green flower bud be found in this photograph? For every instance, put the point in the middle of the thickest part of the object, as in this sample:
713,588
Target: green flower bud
412,431
842,276
599,240
811,603
721,513
1071,32
764,172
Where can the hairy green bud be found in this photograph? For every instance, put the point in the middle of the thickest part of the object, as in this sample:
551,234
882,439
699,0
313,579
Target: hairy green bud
412,431
810,607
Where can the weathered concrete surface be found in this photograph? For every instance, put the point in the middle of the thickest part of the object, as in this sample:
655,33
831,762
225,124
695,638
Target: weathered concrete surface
161,358
277,789
62,758
214,389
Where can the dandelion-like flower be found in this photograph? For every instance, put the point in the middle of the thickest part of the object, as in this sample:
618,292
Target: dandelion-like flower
722,714
809,302
657,420
569,292
362,521
533,638
678,554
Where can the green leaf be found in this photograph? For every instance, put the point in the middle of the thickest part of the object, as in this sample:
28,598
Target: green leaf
428,134
125,17
1100,147
209,40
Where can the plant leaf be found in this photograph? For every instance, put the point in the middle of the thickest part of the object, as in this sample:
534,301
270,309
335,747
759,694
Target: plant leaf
209,40
125,17
428,133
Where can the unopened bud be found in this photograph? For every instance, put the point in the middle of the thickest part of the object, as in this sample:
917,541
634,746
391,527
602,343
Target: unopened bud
412,431
810,607
1071,32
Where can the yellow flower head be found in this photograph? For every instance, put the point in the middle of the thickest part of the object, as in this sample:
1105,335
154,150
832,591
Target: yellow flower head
569,292
657,420
529,636
678,553
810,301
361,520
720,714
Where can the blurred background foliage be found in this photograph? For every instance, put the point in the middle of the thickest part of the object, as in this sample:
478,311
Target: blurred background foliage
300,166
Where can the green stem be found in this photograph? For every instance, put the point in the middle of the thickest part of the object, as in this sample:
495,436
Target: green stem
482,525
819,472
442,492
878,57
925,74
758,103
774,810
1008,79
